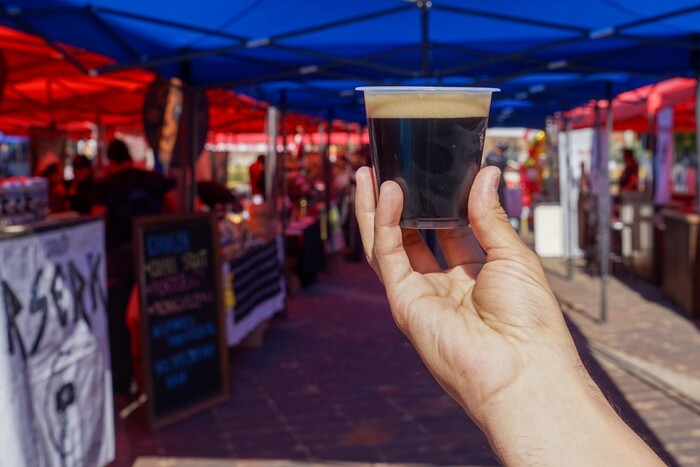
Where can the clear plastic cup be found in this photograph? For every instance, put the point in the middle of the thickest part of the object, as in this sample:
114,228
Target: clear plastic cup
430,141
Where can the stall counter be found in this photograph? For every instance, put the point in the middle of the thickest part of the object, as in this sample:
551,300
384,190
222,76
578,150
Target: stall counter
254,288
681,268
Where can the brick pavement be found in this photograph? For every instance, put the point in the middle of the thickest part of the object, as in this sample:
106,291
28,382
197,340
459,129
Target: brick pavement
649,349
335,383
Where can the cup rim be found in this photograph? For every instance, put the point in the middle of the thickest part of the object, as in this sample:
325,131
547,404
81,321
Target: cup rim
428,89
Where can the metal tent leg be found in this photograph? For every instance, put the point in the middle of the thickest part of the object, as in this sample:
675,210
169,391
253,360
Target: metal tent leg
604,209
697,144
566,201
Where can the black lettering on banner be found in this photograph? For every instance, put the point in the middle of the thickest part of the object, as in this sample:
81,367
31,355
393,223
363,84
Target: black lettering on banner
13,307
38,304
57,295
96,290
77,283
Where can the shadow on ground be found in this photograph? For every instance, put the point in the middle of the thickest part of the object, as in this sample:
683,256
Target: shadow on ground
336,381
333,381
616,397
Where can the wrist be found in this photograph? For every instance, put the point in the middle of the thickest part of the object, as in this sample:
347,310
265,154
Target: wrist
552,414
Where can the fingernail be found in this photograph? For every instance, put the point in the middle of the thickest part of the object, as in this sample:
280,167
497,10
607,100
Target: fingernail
494,181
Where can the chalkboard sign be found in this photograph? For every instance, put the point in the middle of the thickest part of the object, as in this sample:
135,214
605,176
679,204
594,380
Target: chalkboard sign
184,346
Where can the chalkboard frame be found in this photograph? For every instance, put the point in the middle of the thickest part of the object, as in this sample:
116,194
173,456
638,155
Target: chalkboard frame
141,226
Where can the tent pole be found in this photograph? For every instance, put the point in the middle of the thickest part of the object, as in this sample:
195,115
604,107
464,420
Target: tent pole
271,128
604,208
566,201
283,117
697,143
425,38
26,26
328,176
241,43
191,205
283,159
651,144
658,18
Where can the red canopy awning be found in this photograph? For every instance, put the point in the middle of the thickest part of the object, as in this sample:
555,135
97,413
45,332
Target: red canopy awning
633,110
43,89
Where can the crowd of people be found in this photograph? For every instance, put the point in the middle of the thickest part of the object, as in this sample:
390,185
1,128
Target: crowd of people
312,188
122,193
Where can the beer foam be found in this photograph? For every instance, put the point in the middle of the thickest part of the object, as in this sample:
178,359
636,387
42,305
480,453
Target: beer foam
427,105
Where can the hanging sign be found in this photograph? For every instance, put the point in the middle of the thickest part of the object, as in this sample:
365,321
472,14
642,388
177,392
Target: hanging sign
168,121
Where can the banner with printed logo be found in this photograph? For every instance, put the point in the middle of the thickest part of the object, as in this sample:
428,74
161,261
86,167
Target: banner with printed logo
55,378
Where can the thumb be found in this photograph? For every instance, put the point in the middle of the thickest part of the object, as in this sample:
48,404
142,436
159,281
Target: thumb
487,218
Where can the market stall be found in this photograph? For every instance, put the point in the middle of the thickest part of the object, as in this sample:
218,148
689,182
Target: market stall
254,283
681,268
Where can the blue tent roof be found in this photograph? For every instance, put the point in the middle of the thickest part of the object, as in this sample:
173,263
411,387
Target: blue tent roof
309,55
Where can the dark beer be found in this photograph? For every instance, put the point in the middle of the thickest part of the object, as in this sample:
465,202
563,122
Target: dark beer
429,141
434,162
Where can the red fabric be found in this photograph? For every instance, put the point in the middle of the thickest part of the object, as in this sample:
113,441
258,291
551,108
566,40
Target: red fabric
632,109
44,88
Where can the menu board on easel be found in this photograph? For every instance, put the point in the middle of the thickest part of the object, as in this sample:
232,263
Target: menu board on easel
183,339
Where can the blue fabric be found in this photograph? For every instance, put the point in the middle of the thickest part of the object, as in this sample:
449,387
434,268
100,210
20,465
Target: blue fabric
559,60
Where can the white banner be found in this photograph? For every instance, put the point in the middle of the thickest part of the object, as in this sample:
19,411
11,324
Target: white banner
55,378
664,155
581,147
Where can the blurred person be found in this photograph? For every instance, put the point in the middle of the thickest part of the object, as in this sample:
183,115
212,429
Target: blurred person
341,191
492,334
58,196
80,190
256,171
629,179
125,193
342,175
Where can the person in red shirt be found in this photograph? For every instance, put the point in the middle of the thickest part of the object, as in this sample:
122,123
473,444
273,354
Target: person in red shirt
629,179
257,176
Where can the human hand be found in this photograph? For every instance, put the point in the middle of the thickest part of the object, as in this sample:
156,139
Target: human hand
474,323
489,327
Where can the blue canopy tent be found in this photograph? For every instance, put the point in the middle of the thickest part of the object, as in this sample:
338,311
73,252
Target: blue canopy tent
308,56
